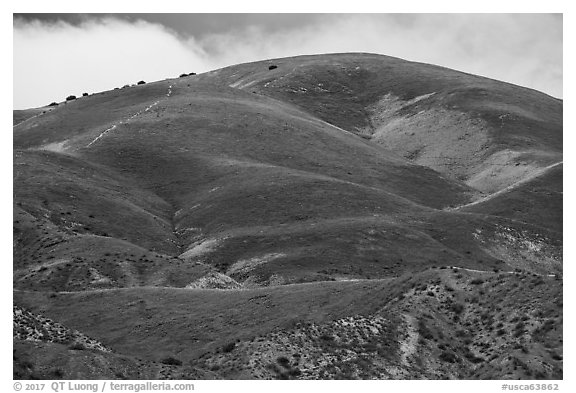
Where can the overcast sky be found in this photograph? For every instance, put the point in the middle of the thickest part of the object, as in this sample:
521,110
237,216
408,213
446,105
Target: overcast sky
56,55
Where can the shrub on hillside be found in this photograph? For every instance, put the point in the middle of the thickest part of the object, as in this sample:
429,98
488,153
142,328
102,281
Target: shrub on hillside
171,361
70,98
457,308
424,331
53,104
141,83
229,347
519,329
78,346
272,67
448,357
192,73
183,75
283,361
84,94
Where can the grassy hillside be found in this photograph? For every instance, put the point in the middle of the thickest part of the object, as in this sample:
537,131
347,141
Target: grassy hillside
538,200
437,324
215,165
22,115
470,128
214,219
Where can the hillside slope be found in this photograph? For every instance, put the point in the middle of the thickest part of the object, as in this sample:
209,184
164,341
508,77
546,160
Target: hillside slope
279,202
486,133
440,323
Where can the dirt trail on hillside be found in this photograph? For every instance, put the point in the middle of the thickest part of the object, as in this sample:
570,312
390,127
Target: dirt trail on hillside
511,187
44,111
25,120
128,119
498,272
135,283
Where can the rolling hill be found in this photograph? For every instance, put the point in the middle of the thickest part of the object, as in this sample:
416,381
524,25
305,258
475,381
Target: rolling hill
229,209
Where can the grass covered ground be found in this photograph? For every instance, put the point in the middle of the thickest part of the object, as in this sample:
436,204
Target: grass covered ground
217,218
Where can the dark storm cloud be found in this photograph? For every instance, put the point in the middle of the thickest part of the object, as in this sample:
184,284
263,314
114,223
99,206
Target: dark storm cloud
94,52
197,25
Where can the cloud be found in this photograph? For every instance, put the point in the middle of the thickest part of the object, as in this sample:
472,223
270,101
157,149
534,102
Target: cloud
53,60
521,49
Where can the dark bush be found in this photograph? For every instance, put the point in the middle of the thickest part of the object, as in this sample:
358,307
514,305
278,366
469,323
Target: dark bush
424,330
546,326
477,281
53,104
554,355
70,98
141,83
327,337
539,375
183,75
283,361
272,67
447,357
229,347
84,94
192,73
519,329
171,361
77,346
457,308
